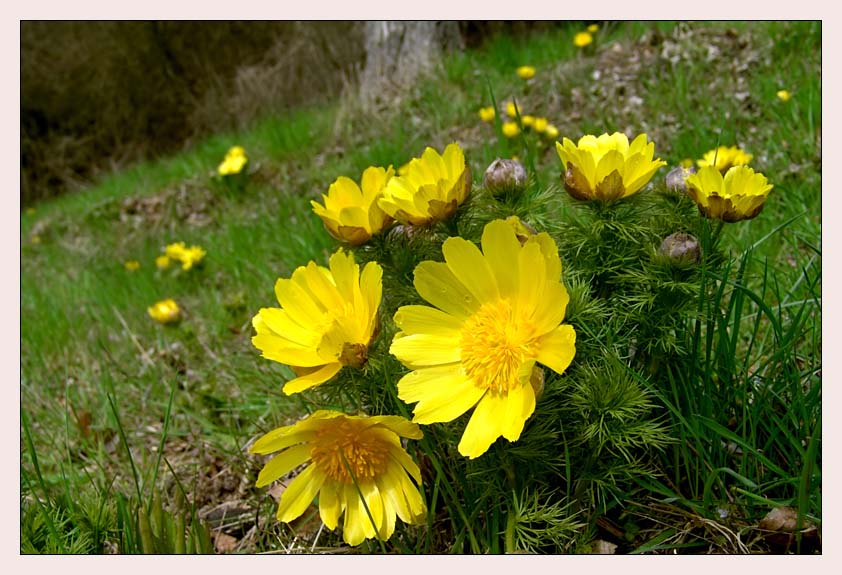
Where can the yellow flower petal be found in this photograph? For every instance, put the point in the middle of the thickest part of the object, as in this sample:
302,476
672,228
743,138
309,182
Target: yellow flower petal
420,350
557,348
313,379
282,464
470,267
437,284
423,319
300,493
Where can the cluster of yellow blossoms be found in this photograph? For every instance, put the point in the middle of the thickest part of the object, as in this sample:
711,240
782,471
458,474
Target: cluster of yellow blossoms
511,127
234,162
493,323
167,311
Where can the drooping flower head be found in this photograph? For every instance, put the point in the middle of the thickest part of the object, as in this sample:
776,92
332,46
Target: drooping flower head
350,211
740,195
497,314
234,162
723,157
435,185
607,167
187,256
165,311
326,320
487,114
342,450
582,39
526,72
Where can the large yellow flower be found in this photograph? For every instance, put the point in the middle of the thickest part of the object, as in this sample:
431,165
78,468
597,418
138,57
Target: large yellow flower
723,157
351,214
326,320
740,195
434,186
333,444
497,313
187,256
607,167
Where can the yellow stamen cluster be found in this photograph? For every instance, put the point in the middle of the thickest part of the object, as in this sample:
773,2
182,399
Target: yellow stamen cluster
364,452
494,345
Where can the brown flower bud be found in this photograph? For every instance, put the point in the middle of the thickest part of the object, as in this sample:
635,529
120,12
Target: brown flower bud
504,176
675,178
681,247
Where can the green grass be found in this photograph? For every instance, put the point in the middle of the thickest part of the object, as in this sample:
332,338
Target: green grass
130,429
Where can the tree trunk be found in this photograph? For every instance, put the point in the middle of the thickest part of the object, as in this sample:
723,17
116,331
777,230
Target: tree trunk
397,52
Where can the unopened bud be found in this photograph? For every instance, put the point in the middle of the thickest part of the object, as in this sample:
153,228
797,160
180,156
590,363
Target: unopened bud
681,247
504,176
523,231
675,178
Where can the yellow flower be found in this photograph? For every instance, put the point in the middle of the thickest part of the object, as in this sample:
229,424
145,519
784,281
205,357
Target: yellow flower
784,95
187,256
234,162
740,195
539,125
30,211
165,311
132,265
527,121
510,129
551,132
497,313
687,163
163,262
351,214
608,167
487,114
582,39
326,320
512,110
403,170
35,239
723,157
347,456
432,190
593,28
526,72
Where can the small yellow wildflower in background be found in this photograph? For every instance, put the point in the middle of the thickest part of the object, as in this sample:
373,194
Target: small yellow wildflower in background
582,39
234,162
607,168
740,195
435,185
35,239
527,121
30,211
526,72
510,129
512,110
165,311
551,132
687,163
132,265
187,256
723,157
351,214
593,28
344,453
326,320
539,125
487,114
784,95
162,262
497,313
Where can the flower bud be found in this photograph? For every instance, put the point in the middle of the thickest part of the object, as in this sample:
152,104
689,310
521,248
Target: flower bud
681,247
675,178
504,176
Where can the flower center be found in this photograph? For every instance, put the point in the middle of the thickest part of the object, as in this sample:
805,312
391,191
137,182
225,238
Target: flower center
495,344
364,452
